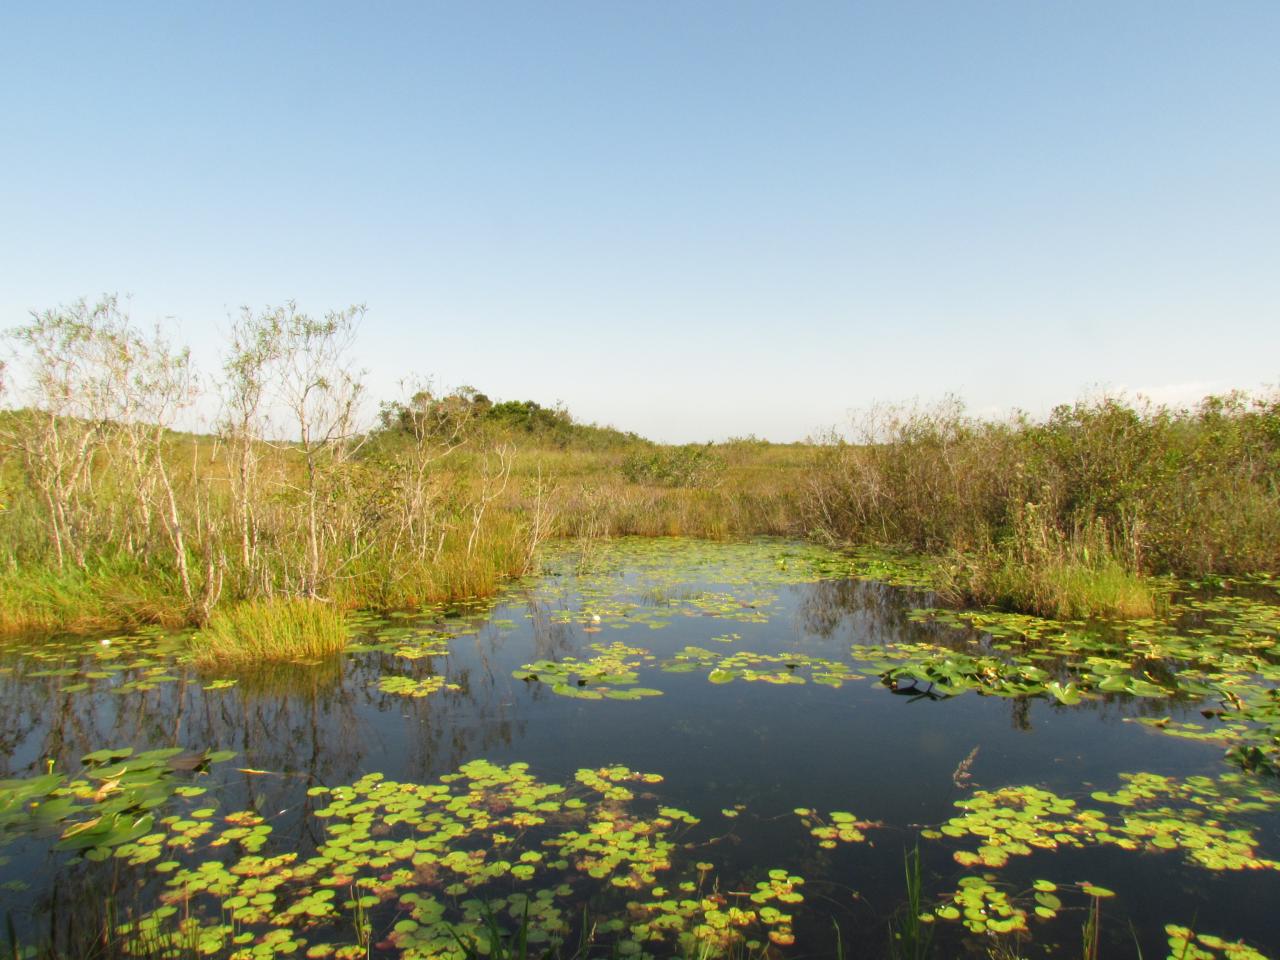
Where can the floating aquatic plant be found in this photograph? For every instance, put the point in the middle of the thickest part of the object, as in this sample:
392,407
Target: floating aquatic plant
611,673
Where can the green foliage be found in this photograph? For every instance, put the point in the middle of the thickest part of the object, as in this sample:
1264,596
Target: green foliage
1061,516
467,413
110,805
277,629
911,938
1038,569
685,466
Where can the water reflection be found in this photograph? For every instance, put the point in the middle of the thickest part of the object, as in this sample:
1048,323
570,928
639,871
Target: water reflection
767,747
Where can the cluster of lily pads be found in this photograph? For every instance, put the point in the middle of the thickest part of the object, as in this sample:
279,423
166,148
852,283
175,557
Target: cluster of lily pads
1204,824
426,867
1223,651
1187,944
611,673
837,827
110,804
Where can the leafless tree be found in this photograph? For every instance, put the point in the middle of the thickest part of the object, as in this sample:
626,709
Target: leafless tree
322,395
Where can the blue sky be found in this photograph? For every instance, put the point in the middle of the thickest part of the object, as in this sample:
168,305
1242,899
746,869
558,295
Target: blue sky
693,220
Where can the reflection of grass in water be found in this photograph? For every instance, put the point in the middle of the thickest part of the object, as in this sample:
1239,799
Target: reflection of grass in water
88,909
271,630
277,681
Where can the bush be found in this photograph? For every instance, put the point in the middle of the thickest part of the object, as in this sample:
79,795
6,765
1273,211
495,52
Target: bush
686,466
1168,491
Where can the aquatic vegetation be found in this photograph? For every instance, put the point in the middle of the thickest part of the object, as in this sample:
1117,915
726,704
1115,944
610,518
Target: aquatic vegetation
1016,821
611,673
896,568
743,665
111,803
414,686
982,907
278,629
911,930
648,563
430,868
1186,944
838,827
489,857
1212,649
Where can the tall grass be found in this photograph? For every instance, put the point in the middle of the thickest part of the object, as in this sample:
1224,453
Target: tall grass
108,592
1064,515
1038,569
265,630
584,495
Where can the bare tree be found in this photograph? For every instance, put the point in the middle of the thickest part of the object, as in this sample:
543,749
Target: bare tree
154,383
495,472
255,349
431,435
323,397
65,354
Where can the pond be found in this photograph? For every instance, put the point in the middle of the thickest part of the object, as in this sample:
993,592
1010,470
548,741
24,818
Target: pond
661,748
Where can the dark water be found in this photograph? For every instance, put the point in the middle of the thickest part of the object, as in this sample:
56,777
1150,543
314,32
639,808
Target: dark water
888,758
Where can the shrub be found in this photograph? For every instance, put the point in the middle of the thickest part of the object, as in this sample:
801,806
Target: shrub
686,466
1167,491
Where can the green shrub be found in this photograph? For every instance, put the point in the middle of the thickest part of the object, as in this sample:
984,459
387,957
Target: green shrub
685,466
1169,491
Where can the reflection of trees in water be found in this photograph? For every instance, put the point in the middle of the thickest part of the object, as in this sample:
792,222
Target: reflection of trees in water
864,611
874,614
43,722
551,638
311,721
24,703
291,725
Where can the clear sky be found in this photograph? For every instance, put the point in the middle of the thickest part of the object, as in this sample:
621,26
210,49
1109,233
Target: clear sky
689,219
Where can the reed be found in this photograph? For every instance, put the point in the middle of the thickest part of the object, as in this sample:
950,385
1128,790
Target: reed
267,630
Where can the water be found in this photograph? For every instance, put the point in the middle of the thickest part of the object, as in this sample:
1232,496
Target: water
739,756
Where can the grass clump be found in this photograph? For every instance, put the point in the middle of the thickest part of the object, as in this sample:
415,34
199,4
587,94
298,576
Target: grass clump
266,630
1039,569
1064,589
106,593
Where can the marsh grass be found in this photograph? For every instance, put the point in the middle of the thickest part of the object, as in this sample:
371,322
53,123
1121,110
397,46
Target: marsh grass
1069,589
1067,515
266,630
105,594
1040,570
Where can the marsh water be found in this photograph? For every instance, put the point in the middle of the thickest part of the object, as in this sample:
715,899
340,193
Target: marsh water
659,747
